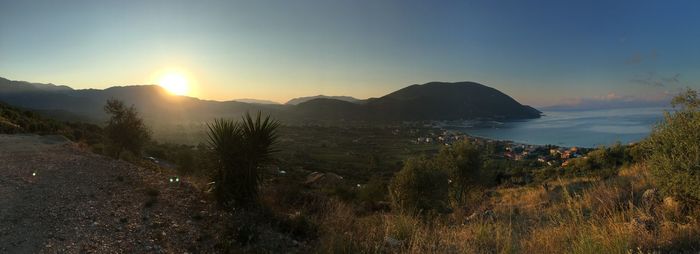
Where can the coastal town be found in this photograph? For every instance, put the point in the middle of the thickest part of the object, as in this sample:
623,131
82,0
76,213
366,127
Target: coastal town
550,155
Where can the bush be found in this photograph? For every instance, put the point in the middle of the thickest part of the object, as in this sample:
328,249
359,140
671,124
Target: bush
463,163
374,191
420,187
299,225
125,129
674,148
242,148
602,162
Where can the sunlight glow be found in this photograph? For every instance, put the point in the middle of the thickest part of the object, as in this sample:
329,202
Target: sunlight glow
175,83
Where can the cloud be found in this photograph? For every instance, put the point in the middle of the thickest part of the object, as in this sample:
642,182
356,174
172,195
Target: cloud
650,78
635,59
674,79
612,100
638,58
609,97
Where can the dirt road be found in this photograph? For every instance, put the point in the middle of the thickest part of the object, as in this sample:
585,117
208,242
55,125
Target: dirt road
56,198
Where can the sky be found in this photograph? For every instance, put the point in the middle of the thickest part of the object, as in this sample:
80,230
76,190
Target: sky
539,52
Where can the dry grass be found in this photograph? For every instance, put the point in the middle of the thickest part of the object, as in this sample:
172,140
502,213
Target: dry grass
573,216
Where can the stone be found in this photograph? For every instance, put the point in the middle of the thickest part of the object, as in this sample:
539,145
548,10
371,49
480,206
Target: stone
392,242
317,179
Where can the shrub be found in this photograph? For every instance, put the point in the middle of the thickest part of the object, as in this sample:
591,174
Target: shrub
299,225
463,162
241,149
419,187
674,148
374,191
125,129
602,162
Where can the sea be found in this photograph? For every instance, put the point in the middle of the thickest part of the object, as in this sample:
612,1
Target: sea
590,128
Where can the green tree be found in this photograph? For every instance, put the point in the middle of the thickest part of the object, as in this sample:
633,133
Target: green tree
463,163
673,148
125,129
420,187
241,149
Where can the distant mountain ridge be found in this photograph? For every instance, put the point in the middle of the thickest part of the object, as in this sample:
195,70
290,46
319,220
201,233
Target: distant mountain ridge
299,100
431,101
9,86
256,101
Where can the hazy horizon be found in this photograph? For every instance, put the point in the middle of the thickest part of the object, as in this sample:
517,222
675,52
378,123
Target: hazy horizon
541,54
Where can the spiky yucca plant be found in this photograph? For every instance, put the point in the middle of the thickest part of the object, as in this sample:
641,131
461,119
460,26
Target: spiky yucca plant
242,148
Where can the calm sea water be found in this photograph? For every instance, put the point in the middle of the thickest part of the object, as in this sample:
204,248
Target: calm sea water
577,128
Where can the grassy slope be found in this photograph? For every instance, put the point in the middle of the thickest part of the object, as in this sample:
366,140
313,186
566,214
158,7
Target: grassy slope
573,216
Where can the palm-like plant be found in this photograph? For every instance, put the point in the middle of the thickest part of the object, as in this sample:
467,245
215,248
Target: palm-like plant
242,148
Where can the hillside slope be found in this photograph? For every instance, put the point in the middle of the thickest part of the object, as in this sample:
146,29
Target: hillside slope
81,202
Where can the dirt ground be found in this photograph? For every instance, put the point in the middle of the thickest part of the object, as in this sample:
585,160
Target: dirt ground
57,198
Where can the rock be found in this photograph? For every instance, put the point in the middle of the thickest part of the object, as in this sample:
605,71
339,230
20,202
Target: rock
472,217
486,215
670,202
392,242
672,206
317,180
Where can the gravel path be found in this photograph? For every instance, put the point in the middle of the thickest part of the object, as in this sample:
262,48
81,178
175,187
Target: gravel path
56,198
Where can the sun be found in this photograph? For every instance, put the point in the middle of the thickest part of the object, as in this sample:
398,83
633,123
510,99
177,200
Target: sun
175,83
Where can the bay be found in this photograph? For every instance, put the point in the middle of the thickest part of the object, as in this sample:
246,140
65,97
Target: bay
571,128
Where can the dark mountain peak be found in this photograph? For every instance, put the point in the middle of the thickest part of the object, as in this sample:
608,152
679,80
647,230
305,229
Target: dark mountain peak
450,101
13,86
458,83
141,88
328,109
325,102
435,88
297,101
257,101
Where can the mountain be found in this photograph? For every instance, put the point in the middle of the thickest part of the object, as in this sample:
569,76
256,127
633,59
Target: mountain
154,103
256,101
448,101
431,101
297,101
9,86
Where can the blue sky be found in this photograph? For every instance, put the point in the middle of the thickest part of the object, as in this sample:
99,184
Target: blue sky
540,52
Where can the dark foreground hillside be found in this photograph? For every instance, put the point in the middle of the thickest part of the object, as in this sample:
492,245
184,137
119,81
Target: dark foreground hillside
56,198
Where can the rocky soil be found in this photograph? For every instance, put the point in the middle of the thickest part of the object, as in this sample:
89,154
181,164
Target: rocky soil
57,198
